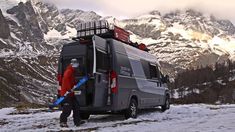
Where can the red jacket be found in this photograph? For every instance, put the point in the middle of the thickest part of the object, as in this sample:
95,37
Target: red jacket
68,80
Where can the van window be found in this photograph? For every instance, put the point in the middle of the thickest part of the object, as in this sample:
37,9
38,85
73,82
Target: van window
154,72
102,61
74,49
137,68
124,65
146,67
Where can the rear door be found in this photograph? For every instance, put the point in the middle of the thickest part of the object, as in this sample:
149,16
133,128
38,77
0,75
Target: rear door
76,51
101,71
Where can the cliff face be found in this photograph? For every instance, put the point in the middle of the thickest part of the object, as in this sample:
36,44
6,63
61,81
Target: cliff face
31,35
28,19
4,27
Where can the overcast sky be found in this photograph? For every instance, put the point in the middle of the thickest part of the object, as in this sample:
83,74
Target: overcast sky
129,8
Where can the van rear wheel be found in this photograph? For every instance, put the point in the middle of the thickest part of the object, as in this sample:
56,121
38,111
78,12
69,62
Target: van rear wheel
84,116
131,111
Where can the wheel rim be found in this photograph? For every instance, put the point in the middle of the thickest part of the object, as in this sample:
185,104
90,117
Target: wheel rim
133,110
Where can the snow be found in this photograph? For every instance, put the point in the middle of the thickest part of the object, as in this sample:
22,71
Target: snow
5,52
2,41
4,112
7,4
53,34
223,45
147,41
179,118
232,78
14,36
147,16
71,32
3,79
221,82
179,29
184,118
175,94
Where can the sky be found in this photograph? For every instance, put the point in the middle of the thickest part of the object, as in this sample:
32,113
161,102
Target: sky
223,9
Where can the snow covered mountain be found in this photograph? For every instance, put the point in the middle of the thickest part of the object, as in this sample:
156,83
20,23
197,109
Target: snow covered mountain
32,33
184,39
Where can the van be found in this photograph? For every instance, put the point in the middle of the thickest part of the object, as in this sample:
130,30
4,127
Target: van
123,77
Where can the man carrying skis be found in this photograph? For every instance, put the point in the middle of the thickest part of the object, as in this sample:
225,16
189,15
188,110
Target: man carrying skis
70,103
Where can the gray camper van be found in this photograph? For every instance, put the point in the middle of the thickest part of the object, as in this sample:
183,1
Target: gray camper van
123,78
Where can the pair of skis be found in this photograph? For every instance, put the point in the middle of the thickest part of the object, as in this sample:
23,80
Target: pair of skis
61,99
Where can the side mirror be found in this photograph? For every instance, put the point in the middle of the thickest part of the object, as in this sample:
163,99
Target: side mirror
165,79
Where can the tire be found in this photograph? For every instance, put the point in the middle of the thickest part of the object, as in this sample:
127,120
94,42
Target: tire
132,110
166,105
84,116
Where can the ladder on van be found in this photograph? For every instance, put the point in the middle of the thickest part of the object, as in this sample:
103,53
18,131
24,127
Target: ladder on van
61,99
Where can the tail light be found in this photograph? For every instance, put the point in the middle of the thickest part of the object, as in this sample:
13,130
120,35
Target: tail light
113,78
59,79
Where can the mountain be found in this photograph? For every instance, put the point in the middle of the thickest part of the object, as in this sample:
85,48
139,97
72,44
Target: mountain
32,33
184,39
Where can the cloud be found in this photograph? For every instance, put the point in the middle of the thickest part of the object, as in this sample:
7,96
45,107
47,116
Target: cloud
128,8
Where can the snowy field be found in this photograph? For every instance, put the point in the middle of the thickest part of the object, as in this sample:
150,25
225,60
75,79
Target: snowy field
180,118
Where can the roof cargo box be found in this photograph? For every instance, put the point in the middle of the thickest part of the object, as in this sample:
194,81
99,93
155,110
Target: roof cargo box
121,34
101,28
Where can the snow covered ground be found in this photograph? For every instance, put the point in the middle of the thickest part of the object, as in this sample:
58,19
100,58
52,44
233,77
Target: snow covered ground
180,118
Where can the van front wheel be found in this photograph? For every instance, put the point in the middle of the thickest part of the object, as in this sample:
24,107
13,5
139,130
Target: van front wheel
166,105
131,111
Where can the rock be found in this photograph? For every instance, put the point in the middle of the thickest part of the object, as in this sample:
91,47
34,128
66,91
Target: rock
4,27
28,19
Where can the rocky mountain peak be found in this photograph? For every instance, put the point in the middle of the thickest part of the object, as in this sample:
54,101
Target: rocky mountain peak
28,19
73,17
155,12
197,21
193,13
227,26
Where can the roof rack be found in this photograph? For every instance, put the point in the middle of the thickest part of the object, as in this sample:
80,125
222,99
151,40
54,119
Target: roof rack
91,28
102,28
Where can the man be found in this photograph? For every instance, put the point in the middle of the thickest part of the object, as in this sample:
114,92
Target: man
70,103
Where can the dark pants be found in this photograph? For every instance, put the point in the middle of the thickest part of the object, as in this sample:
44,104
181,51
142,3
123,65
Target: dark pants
70,104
